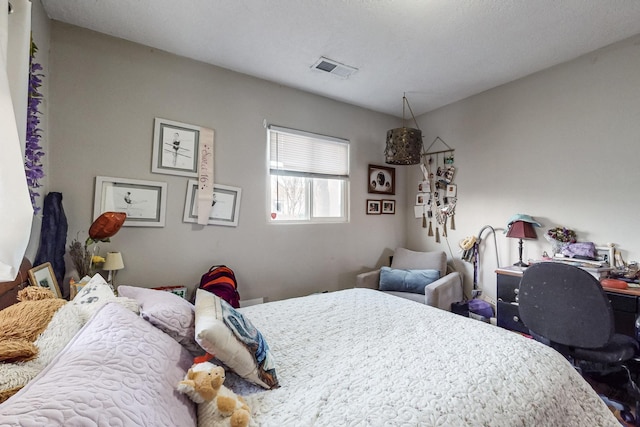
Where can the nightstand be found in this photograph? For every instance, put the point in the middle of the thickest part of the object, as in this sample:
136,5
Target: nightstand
508,283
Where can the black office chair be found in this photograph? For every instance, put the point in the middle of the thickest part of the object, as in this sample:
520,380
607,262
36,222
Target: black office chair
566,308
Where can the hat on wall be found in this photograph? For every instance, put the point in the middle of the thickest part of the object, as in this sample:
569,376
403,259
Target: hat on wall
523,217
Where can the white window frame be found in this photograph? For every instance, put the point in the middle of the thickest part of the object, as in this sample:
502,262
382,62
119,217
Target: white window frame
273,168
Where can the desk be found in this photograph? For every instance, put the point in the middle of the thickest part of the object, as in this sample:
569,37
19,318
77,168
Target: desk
625,303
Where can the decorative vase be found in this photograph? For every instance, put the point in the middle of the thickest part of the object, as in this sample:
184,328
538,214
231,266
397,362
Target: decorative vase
556,245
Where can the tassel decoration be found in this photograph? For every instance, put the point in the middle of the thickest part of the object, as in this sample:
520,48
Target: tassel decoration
424,220
430,232
453,222
444,227
437,235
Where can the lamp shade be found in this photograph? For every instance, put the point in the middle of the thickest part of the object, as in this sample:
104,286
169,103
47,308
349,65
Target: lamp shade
113,261
404,146
522,230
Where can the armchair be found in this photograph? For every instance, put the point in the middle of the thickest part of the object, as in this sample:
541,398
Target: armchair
440,294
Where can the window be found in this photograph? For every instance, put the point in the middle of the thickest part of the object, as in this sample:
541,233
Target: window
309,176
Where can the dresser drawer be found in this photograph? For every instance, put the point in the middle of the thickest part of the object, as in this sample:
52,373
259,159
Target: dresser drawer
625,303
508,287
509,317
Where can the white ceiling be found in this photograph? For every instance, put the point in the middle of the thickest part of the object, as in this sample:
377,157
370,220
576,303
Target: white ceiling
437,51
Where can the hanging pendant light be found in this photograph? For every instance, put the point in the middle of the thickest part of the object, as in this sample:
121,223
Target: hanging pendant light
404,145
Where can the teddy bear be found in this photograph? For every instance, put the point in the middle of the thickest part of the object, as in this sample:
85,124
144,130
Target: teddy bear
23,322
217,405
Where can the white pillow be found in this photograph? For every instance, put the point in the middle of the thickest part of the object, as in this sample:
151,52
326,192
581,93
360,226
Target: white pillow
228,335
95,294
168,312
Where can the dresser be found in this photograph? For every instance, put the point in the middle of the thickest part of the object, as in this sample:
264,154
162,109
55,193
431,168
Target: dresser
508,282
625,303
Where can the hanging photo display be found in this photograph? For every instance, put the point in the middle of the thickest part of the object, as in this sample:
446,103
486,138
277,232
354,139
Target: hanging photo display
437,194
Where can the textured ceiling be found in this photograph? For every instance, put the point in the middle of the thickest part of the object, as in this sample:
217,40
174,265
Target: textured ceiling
437,51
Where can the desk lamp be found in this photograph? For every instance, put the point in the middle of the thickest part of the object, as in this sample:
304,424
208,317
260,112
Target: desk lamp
521,230
112,264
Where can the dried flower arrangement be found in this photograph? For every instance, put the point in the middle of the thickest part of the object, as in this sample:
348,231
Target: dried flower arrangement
562,234
84,257
84,260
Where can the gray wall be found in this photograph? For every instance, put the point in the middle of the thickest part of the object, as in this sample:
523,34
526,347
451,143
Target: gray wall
104,95
562,145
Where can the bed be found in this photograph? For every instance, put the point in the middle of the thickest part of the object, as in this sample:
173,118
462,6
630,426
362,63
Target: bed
356,357
360,357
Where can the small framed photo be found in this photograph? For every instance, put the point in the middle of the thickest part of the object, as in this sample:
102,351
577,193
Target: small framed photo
75,288
422,199
225,209
388,206
374,207
175,148
181,291
382,180
43,276
144,202
452,190
606,254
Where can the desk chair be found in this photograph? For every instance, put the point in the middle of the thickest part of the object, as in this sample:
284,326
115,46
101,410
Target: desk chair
566,308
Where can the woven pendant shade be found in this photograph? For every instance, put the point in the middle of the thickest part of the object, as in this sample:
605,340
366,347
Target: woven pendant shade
404,146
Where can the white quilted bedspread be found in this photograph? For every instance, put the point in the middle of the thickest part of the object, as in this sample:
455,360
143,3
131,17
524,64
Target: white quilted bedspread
117,371
363,358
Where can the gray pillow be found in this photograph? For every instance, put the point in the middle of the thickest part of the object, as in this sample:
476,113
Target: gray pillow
168,312
414,281
414,260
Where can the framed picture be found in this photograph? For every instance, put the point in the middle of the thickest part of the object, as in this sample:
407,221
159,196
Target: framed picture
606,254
225,209
422,199
144,202
388,206
181,291
175,148
382,180
43,276
374,207
75,288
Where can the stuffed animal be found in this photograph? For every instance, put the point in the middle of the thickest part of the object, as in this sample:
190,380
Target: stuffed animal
217,405
23,322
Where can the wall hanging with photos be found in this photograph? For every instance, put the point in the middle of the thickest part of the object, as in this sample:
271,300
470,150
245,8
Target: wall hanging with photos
437,194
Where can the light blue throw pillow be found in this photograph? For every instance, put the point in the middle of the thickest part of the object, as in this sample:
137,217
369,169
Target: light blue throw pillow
414,281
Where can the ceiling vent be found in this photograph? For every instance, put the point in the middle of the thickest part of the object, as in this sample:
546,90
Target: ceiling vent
330,66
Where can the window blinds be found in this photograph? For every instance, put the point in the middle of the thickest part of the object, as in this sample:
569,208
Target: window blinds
304,154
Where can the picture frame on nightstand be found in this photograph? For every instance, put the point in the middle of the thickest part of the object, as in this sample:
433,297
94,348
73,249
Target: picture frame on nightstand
181,291
44,277
606,254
